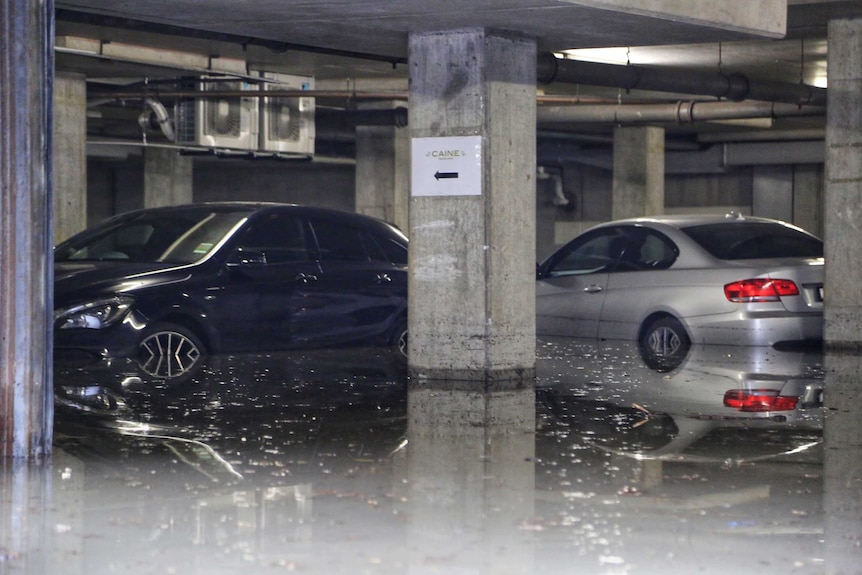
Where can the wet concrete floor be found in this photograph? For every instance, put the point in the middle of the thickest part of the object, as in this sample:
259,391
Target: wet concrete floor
332,462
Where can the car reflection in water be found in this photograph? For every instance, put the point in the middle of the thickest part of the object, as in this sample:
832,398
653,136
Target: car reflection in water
256,407
715,403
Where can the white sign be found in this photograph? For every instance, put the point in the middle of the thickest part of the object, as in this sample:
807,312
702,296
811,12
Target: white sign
449,166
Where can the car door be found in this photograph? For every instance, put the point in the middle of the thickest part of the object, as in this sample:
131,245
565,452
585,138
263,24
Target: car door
361,290
570,290
268,283
638,281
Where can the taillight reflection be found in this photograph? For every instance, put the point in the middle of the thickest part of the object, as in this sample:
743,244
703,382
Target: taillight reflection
759,400
759,290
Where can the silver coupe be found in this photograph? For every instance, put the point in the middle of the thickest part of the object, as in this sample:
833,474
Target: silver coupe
671,281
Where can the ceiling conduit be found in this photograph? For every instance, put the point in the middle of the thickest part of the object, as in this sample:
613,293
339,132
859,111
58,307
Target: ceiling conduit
676,113
735,87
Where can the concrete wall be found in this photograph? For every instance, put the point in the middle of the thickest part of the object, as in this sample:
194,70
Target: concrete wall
116,186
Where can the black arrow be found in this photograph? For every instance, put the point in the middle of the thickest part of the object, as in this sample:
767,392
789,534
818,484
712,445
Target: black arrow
445,175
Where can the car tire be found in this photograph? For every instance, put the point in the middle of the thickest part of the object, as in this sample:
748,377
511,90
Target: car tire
664,343
399,338
170,351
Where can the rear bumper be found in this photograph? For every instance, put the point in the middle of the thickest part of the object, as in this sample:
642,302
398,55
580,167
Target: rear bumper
756,328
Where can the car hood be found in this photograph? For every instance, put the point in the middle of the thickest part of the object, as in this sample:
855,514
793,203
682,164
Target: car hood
75,279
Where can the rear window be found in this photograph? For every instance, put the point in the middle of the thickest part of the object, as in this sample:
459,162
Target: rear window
755,240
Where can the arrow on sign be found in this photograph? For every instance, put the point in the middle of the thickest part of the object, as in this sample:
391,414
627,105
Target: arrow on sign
445,175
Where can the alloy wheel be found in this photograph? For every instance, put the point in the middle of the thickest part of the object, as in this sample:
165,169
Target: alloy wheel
168,354
664,342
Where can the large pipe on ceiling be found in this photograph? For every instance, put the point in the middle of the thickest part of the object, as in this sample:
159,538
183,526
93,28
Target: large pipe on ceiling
735,87
675,113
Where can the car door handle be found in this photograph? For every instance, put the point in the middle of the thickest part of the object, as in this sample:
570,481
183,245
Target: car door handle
382,279
305,278
594,288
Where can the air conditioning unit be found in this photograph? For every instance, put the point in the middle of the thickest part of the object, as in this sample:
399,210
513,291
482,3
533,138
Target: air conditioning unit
287,123
218,122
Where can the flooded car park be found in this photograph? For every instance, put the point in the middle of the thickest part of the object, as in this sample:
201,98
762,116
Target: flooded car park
333,461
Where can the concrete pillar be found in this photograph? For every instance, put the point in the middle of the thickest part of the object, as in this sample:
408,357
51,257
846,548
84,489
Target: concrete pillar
472,209
772,192
843,189
842,462
471,477
26,69
70,155
383,172
808,197
26,530
638,184
167,178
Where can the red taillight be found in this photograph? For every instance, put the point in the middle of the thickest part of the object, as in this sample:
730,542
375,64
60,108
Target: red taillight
759,289
759,400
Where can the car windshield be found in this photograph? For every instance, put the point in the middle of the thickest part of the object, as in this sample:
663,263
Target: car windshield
755,240
179,237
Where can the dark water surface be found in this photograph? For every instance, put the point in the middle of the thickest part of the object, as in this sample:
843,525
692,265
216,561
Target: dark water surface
332,462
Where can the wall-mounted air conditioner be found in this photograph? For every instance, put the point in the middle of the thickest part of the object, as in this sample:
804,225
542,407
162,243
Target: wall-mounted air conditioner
287,123
218,122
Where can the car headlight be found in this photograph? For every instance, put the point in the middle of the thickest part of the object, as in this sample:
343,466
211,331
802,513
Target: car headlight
96,314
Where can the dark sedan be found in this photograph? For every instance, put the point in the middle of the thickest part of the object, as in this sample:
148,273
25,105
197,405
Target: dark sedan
166,286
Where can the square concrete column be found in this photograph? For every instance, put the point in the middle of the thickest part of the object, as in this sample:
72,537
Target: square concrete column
472,210
808,197
383,171
167,178
70,155
843,187
638,184
772,192
469,451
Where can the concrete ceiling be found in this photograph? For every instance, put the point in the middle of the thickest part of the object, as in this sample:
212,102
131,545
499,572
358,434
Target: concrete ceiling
344,43
381,27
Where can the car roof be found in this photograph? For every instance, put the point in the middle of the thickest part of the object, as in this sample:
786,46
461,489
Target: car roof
685,220
680,221
262,207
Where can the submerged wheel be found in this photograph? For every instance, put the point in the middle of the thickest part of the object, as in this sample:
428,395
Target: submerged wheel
399,341
664,343
170,351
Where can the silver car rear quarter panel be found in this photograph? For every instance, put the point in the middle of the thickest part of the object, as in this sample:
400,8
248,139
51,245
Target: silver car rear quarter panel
694,296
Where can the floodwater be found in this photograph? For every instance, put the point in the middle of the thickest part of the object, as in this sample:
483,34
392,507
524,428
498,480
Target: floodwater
332,462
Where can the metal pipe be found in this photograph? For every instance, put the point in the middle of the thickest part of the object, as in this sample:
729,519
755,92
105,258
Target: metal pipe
687,112
735,87
105,96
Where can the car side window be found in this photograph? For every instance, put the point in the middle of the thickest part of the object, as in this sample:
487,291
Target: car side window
338,241
281,238
585,255
635,248
619,249
657,252
383,249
